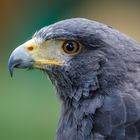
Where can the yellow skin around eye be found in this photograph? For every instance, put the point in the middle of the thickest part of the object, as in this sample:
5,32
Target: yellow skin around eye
50,52
45,52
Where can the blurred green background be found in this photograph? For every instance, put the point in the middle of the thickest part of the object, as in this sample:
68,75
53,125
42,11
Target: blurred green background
29,108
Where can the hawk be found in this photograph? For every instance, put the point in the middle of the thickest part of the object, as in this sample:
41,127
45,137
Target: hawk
96,72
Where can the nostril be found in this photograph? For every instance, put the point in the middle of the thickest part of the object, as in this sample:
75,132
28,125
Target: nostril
30,48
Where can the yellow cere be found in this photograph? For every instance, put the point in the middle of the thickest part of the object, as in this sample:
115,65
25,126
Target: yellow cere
45,52
30,45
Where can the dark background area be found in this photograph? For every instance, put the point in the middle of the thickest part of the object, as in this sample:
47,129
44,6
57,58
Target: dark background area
29,108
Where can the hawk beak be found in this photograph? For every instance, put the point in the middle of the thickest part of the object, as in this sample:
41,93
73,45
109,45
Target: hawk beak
20,58
30,55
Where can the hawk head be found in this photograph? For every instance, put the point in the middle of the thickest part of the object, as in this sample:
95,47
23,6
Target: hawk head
77,54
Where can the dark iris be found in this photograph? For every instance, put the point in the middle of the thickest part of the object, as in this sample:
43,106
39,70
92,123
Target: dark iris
70,46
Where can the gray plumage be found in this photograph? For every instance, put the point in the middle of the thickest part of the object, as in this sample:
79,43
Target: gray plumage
100,87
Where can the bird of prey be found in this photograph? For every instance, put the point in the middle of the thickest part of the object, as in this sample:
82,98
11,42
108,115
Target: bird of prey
96,72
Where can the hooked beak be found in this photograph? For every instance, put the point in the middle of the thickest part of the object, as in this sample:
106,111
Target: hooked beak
20,58
31,54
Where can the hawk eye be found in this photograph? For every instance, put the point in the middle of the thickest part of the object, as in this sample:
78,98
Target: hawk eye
71,47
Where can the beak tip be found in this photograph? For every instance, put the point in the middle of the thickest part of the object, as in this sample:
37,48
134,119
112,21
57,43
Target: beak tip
10,67
11,73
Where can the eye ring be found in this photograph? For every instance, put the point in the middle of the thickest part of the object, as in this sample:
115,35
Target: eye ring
71,47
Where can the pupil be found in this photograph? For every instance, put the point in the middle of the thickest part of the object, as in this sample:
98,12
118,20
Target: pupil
70,47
